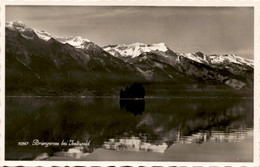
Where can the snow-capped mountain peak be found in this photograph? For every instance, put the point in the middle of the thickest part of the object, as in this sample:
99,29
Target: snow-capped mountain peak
198,57
43,35
218,59
229,58
135,49
77,41
18,25
29,33
26,31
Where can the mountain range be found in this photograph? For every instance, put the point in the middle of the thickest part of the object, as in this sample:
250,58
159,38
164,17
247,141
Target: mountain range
38,63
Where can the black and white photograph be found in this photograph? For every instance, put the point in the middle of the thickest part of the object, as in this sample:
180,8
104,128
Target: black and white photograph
129,83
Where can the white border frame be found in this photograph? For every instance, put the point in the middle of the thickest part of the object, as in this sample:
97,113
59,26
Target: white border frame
194,3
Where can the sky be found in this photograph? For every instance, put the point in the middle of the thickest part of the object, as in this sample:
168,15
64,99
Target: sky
211,30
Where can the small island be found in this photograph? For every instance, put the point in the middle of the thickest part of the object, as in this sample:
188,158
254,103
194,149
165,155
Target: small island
135,90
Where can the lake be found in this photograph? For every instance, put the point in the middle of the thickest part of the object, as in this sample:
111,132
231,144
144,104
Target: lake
154,129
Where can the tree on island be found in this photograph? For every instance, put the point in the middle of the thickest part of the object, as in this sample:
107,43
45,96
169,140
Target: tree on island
135,90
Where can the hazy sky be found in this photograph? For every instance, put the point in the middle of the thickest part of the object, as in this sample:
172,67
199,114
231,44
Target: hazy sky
183,29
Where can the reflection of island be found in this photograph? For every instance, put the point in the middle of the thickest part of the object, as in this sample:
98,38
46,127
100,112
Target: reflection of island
136,90
134,106
134,144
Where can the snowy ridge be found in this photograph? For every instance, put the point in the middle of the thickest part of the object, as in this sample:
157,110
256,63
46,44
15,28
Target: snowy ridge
226,59
77,42
43,35
28,33
194,57
17,25
135,49
219,59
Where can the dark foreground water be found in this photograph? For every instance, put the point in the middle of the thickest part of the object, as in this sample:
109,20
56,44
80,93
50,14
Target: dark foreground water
170,129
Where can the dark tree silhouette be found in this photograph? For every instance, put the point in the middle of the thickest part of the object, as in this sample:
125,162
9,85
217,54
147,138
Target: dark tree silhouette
136,90
134,106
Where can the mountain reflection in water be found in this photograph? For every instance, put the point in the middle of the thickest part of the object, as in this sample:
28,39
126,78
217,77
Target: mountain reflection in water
133,144
140,144
153,125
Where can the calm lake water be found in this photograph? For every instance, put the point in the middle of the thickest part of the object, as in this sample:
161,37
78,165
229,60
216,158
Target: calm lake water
170,129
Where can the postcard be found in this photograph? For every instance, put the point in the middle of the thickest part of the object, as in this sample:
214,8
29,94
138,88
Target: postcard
137,83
